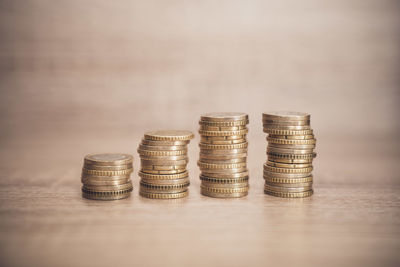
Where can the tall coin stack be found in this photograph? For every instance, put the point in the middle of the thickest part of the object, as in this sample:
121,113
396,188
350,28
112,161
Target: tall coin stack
107,176
223,155
163,156
290,151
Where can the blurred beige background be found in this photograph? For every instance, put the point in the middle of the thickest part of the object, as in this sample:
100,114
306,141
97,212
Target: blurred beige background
92,76
79,77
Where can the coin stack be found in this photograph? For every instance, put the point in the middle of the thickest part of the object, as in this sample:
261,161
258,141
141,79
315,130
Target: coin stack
107,176
223,155
290,151
163,156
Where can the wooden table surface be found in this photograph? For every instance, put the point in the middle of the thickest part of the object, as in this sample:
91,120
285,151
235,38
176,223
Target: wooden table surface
352,219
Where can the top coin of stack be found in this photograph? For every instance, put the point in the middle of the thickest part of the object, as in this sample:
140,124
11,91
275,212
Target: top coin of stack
163,156
107,176
290,151
223,154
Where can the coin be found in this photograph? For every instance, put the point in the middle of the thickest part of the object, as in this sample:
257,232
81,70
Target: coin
108,159
291,141
292,156
92,182
282,181
286,116
164,196
223,133
165,143
222,128
289,161
224,180
224,117
145,148
164,187
107,188
107,168
164,158
159,172
223,147
223,151
287,132
220,157
285,175
289,195
286,127
222,195
224,185
223,142
292,137
226,175
149,176
225,190
204,165
107,173
169,135
289,165
222,172
290,185
167,181
293,151
287,170
111,196
286,123
223,161
145,162
285,189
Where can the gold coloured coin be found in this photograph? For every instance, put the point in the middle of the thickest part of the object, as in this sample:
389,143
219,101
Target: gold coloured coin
291,141
220,195
224,123
161,148
277,180
292,156
225,190
163,162
164,196
91,182
221,128
290,185
286,116
288,165
165,143
113,196
219,157
223,147
285,175
223,152
149,176
219,176
225,185
287,132
108,159
287,170
204,165
222,172
224,117
125,186
223,161
286,123
282,127
167,182
164,187
169,135
224,180
289,195
106,173
289,161
107,168
292,137
223,133
283,189
164,158
292,151
160,172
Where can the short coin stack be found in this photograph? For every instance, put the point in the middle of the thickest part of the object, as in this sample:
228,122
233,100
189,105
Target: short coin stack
223,155
163,156
107,176
290,151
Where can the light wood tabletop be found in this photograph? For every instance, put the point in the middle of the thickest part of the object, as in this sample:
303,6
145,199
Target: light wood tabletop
352,219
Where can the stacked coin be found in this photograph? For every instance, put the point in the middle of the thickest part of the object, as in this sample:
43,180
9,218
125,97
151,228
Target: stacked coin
223,154
163,156
290,151
107,176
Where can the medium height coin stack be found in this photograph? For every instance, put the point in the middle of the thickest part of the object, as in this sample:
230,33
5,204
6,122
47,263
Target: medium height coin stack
223,155
107,176
290,151
163,157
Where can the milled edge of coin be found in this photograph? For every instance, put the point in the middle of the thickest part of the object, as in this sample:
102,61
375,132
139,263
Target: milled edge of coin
288,180
163,176
220,172
225,190
106,197
287,132
224,180
169,135
225,185
162,152
289,195
164,186
290,161
227,175
220,195
293,156
107,167
223,147
165,143
282,189
288,165
223,133
107,173
287,170
292,141
224,123
291,185
164,172
88,160
106,193
166,182
164,196
204,165
106,188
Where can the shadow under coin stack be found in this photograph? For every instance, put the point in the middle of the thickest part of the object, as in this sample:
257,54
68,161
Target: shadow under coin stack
290,151
163,156
223,155
107,176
